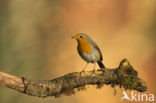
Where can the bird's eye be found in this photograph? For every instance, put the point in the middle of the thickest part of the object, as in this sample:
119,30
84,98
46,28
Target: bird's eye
81,36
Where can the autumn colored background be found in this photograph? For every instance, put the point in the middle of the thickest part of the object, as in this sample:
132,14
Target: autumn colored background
35,42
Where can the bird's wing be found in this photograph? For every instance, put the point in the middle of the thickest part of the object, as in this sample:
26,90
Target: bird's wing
95,46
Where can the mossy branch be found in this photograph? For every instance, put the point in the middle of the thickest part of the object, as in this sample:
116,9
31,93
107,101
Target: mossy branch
124,76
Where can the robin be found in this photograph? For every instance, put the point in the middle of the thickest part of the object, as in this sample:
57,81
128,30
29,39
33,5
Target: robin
88,50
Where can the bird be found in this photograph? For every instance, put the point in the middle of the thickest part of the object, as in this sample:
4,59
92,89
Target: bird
89,51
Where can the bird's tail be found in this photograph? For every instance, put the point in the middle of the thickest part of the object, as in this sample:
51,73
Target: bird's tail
101,65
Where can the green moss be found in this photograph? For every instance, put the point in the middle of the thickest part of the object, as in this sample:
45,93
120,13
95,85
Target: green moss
127,80
130,71
144,84
128,83
69,91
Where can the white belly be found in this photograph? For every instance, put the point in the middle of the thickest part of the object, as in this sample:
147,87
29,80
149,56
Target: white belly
92,57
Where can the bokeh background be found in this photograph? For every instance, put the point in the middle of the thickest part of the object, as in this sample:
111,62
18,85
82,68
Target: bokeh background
35,42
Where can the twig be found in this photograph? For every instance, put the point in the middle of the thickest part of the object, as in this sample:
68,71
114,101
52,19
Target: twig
124,76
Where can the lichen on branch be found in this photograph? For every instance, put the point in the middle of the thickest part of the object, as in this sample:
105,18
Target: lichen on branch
124,76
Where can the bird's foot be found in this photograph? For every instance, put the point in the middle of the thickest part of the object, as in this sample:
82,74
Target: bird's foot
102,69
93,72
82,72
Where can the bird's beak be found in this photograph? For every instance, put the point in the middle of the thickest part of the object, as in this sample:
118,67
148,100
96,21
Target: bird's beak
74,37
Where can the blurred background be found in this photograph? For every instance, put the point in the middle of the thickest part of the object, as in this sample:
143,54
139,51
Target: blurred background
35,42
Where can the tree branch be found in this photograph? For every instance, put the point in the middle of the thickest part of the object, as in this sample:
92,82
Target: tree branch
124,76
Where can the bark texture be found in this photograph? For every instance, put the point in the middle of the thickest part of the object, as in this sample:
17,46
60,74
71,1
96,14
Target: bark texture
125,76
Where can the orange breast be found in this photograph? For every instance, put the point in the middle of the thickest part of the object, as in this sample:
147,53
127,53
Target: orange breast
84,46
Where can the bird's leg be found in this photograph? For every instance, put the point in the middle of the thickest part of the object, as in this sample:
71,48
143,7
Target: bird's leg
93,72
94,66
103,70
84,68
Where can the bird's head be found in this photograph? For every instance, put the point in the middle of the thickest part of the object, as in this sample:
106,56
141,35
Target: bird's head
80,37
